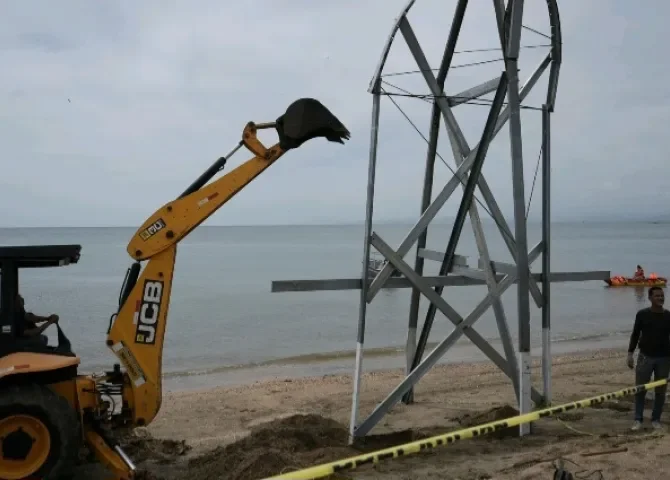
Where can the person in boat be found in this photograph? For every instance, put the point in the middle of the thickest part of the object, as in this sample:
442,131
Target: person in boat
639,273
651,336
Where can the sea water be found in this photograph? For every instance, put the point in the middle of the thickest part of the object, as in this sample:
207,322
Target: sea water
226,326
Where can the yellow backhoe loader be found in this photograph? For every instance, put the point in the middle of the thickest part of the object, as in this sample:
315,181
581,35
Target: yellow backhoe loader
48,411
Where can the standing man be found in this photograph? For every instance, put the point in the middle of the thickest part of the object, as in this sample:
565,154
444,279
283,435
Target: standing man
651,334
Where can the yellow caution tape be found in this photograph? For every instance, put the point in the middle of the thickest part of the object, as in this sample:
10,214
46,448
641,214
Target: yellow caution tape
320,471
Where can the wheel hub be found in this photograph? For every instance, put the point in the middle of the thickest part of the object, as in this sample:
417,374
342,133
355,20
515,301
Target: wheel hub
17,445
24,446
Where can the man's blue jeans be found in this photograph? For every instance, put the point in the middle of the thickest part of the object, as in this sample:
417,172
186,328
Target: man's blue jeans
660,368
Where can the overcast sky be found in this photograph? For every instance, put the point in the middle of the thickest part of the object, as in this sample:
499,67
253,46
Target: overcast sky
110,109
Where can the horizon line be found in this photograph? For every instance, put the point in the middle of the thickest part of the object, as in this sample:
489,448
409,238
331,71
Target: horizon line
352,224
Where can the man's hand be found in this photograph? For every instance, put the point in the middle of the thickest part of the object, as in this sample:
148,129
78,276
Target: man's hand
53,318
630,361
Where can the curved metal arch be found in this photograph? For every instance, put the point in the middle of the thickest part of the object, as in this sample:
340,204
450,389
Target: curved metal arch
374,83
555,39
556,52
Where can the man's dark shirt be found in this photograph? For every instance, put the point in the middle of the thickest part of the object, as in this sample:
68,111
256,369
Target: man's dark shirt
652,330
22,324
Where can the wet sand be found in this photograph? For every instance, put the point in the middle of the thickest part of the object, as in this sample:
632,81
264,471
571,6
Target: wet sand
341,363
256,430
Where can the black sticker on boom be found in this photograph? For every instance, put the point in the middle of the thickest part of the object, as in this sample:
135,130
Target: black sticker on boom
147,312
152,229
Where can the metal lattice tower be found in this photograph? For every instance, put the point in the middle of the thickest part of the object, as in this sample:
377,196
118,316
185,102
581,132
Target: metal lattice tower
454,271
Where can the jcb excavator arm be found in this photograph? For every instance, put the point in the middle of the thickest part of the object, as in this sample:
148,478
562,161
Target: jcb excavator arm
176,219
137,330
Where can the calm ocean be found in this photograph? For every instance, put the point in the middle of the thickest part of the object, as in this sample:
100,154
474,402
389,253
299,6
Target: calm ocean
224,319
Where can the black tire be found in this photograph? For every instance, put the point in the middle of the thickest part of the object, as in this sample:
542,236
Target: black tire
57,415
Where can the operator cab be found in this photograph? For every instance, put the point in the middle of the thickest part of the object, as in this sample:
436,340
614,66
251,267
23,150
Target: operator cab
12,260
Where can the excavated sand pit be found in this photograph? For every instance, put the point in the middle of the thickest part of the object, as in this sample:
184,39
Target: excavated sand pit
279,446
285,445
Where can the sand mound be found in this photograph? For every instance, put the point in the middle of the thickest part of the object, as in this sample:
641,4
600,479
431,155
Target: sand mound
491,415
275,447
285,445
142,447
141,474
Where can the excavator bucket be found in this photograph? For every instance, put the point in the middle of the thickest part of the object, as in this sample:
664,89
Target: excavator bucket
305,119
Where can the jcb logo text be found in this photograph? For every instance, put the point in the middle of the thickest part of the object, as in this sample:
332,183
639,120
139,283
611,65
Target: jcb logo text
148,312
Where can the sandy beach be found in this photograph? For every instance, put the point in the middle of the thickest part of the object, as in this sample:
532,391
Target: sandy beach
271,427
